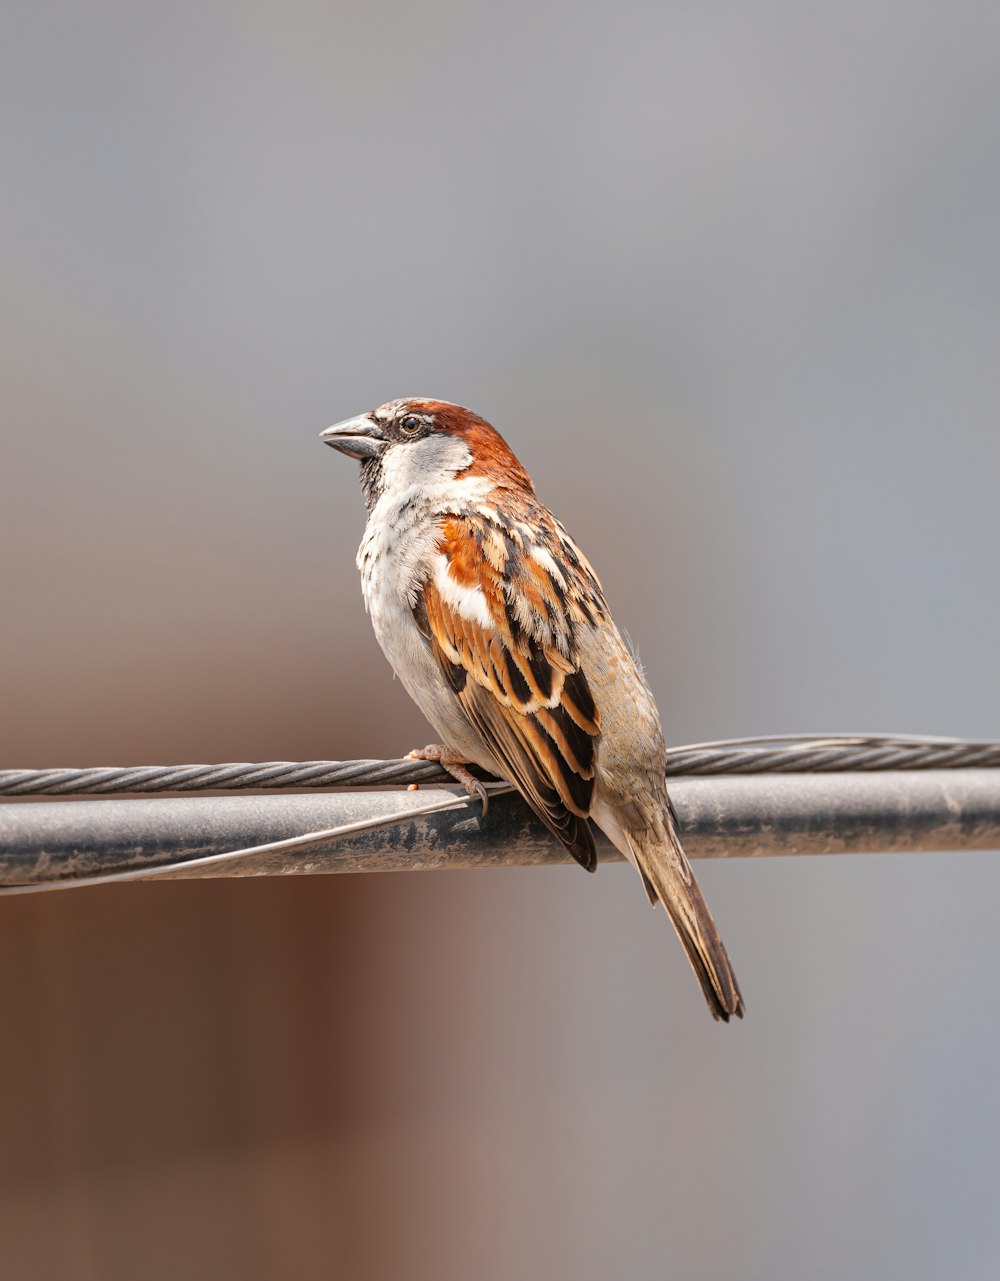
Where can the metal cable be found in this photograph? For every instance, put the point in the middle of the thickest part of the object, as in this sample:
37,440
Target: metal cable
805,753
52,845
423,809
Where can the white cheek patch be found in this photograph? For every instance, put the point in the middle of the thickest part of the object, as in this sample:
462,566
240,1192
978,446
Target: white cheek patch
423,463
469,602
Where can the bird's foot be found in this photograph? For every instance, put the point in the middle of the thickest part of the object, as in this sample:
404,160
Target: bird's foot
455,764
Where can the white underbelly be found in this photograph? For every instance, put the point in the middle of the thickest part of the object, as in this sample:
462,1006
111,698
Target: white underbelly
412,660
398,543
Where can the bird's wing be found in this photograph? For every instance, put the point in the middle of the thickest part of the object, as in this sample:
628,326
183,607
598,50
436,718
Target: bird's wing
499,611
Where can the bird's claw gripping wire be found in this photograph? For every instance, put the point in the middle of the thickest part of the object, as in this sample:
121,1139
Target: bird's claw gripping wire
455,765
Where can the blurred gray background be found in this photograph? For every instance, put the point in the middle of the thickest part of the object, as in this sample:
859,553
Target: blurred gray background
727,278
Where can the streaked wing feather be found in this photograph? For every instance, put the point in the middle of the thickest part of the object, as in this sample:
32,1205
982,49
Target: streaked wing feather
499,617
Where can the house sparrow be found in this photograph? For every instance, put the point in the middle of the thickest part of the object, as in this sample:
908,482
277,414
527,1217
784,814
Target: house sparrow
497,626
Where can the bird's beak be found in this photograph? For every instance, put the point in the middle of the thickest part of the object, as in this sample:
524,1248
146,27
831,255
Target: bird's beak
356,437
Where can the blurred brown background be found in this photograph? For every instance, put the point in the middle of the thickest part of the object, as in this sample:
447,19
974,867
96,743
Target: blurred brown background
727,278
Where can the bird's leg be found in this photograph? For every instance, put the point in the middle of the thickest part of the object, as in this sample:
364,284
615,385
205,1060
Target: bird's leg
455,764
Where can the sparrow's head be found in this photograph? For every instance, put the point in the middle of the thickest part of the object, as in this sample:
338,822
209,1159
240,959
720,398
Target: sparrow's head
424,444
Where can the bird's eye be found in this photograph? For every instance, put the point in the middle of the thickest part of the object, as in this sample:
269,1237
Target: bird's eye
410,425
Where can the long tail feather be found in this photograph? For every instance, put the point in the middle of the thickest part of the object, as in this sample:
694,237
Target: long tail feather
668,878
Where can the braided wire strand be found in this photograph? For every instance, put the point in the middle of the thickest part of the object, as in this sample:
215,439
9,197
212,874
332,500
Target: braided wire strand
806,753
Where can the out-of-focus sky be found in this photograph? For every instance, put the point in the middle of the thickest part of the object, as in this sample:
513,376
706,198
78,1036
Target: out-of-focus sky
728,280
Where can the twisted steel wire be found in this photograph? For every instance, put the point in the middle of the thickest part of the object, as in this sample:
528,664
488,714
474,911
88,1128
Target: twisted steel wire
805,753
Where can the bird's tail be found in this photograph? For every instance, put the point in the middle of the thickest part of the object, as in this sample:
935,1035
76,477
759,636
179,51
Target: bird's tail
668,878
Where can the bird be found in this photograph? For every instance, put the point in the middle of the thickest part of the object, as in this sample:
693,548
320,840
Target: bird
498,629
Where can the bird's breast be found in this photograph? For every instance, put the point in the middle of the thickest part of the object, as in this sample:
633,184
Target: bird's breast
391,559
394,558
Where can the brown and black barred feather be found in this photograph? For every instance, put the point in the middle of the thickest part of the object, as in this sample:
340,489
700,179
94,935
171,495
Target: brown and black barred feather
516,672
